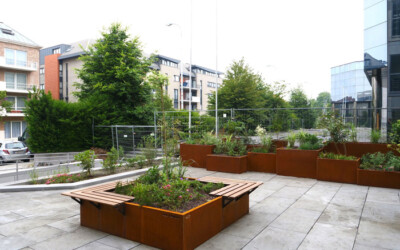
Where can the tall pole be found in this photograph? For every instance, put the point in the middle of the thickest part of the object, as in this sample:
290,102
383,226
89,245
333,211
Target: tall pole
216,67
190,69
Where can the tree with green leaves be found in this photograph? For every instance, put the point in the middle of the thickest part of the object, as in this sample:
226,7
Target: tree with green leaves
113,73
5,105
305,117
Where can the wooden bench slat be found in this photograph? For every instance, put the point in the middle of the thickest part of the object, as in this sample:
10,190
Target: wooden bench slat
96,199
112,196
249,188
215,192
94,196
115,194
231,188
228,194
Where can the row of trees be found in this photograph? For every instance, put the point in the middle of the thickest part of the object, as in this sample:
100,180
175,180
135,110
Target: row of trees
117,89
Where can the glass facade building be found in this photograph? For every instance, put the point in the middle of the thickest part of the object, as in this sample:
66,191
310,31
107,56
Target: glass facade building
349,85
382,58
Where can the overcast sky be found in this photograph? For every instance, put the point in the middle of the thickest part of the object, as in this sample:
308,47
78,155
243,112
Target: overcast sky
291,40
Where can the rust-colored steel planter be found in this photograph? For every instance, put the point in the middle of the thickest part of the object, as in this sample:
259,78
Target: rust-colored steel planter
376,178
296,162
344,171
195,155
228,164
235,210
261,162
358,149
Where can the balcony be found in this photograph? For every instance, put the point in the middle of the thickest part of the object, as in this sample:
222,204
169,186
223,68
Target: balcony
18,65
194,99
21,88
16,113
186,85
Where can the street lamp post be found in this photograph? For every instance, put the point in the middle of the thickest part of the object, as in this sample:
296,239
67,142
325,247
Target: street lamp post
181,64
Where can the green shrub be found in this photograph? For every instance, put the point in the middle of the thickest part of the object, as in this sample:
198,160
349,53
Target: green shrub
231,147
87,160
291,138
375,136
333,156
110,163
173,192
380,161
308,141
394,134
149,151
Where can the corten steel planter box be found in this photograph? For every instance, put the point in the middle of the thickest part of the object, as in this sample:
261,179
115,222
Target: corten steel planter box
344,171
162,228
296,162
377,178
358,149
195,155
277,144
228,164
261,162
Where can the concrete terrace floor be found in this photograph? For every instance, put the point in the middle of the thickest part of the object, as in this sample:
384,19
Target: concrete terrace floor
285,213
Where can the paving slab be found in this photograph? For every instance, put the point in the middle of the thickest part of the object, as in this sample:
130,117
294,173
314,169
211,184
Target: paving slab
224,241
96,245
8,216
310,203
275,238
68,225
341,216
117,242
290,192
325,236
296,219
250,225
73,240
274,205
385,195
42,233
379,235
14,242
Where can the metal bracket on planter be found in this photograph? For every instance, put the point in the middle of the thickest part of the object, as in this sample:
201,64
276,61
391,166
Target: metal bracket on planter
98,205
121,208
77,200
226,201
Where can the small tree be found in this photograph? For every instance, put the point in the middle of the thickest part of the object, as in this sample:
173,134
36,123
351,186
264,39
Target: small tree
87,160
4,104
336,127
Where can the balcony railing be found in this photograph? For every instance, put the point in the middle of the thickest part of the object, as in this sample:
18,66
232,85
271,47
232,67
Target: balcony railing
186,85
194,98
16,87
18,64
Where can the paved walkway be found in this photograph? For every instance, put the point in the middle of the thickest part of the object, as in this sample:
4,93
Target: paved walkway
285,213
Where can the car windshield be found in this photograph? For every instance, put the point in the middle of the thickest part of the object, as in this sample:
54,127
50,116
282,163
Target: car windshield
14,145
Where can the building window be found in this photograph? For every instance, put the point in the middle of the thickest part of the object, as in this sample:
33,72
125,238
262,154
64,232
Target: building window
18,102
41,71
175,98
57,51
176,78
16,57
396,18
14,129
169,63
395,73
15,81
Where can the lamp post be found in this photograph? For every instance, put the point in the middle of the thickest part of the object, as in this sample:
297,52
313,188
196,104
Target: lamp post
181,66
216,67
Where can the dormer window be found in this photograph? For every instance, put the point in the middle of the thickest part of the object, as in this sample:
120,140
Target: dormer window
7,31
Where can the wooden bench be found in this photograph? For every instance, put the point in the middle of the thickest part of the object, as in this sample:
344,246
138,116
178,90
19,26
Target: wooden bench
100,194
233,190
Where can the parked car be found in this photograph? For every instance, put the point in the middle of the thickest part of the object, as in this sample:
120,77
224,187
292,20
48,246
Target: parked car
13,150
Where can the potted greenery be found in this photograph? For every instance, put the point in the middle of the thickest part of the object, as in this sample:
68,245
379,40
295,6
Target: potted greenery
301,161
337,168
229,156
379,170
194,151
260,133
263,157
167,210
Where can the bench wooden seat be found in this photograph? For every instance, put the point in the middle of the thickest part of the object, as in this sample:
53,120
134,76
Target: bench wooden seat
234,189
99,194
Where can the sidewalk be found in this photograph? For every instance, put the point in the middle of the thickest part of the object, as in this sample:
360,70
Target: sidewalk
285,213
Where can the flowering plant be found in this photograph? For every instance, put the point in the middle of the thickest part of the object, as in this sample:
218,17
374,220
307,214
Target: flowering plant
64,178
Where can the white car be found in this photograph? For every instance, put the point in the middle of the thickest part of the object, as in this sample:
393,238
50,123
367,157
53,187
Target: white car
12,151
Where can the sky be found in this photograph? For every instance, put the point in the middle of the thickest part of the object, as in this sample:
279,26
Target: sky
292,41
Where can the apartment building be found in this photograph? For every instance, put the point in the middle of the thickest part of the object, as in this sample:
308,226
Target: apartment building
57,75
57,69
19,73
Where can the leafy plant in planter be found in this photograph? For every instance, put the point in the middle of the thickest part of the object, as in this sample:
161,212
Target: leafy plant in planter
333,156
267,146
353,133
173,192
110,163
308,141
380,161
230,147
375,136
394,134
291,139
338,131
